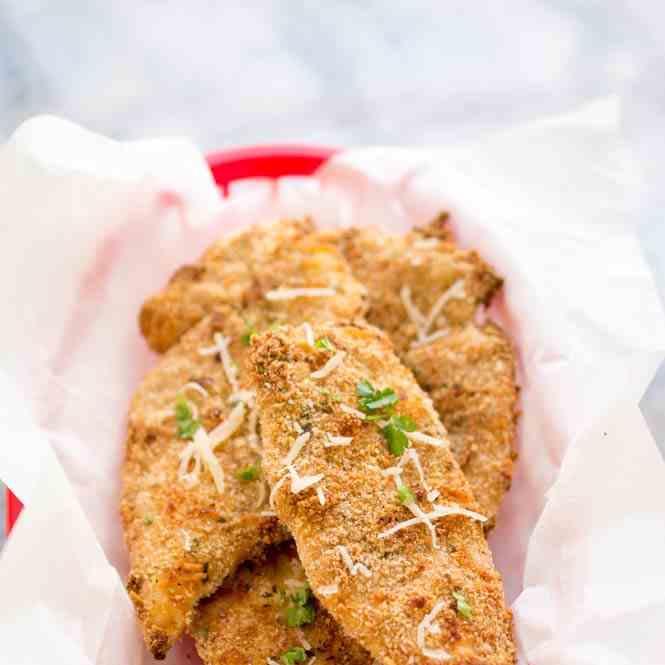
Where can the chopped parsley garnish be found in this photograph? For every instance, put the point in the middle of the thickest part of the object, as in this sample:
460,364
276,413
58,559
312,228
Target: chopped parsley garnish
380,405
463,608
187,424
250,472
250,331
405,495
148,520
325,344
394,433
375,404
294,655
302,610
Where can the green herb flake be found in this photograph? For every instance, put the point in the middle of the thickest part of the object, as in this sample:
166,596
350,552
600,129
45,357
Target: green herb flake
463,607
250,472
148,520
294,655
405,495
250,331
364,388
375,402
187,424
325,344
397,441
302,610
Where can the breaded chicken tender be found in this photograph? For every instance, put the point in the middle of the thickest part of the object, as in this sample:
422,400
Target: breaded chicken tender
266,610
470,376
424,292
385,523
259,264
188,515
417,283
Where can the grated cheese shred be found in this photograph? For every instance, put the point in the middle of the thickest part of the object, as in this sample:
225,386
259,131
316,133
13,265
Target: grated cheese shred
309,334
290,294
424,628
330,366
328,590
354,568
196,387
352,412
332,441
322,497
303,640
296,448
221,347
419,437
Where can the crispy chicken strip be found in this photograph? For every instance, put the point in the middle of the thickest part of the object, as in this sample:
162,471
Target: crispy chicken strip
406,552
245,268
470,376
186,529
184,540
247,621
418,283
424,292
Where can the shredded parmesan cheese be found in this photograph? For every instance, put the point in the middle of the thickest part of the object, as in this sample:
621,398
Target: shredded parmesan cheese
187,540
270,661
268,513
221,347
424,518
309,334
290,294
298,483
423,629
253,437
352,412
427,439
331,441
246,396
296,448
201,450
433,496
455,292
439,511
292,584
328,590
424,323
330,366
321,495
196,387
430,338
354,568
260,499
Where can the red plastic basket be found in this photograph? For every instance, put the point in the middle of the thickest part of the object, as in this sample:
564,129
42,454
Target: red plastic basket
269,161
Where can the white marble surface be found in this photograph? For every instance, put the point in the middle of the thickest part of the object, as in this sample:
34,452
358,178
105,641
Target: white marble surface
343,73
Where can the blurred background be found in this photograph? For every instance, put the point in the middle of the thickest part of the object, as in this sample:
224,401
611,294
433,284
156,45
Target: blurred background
342,72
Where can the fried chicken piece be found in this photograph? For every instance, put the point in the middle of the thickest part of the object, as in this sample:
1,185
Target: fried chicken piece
470,376
185,534
243,268
246,621
468,371
444,283
404,590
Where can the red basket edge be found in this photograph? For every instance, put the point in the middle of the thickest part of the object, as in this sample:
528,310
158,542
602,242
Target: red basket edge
260,161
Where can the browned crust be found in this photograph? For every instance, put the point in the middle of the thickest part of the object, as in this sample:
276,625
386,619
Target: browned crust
244,623
408,576
470,376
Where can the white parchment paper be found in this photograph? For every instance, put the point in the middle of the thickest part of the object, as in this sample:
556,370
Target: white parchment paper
90,227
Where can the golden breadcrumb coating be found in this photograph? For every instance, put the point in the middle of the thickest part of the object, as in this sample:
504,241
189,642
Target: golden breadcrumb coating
409,577
470,376
428,266
183,541
245,622
240,270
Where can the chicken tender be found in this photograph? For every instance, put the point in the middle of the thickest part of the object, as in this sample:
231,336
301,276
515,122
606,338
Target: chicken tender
424,292
264,261
194,499
386,525
470,376
418,283
266,610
